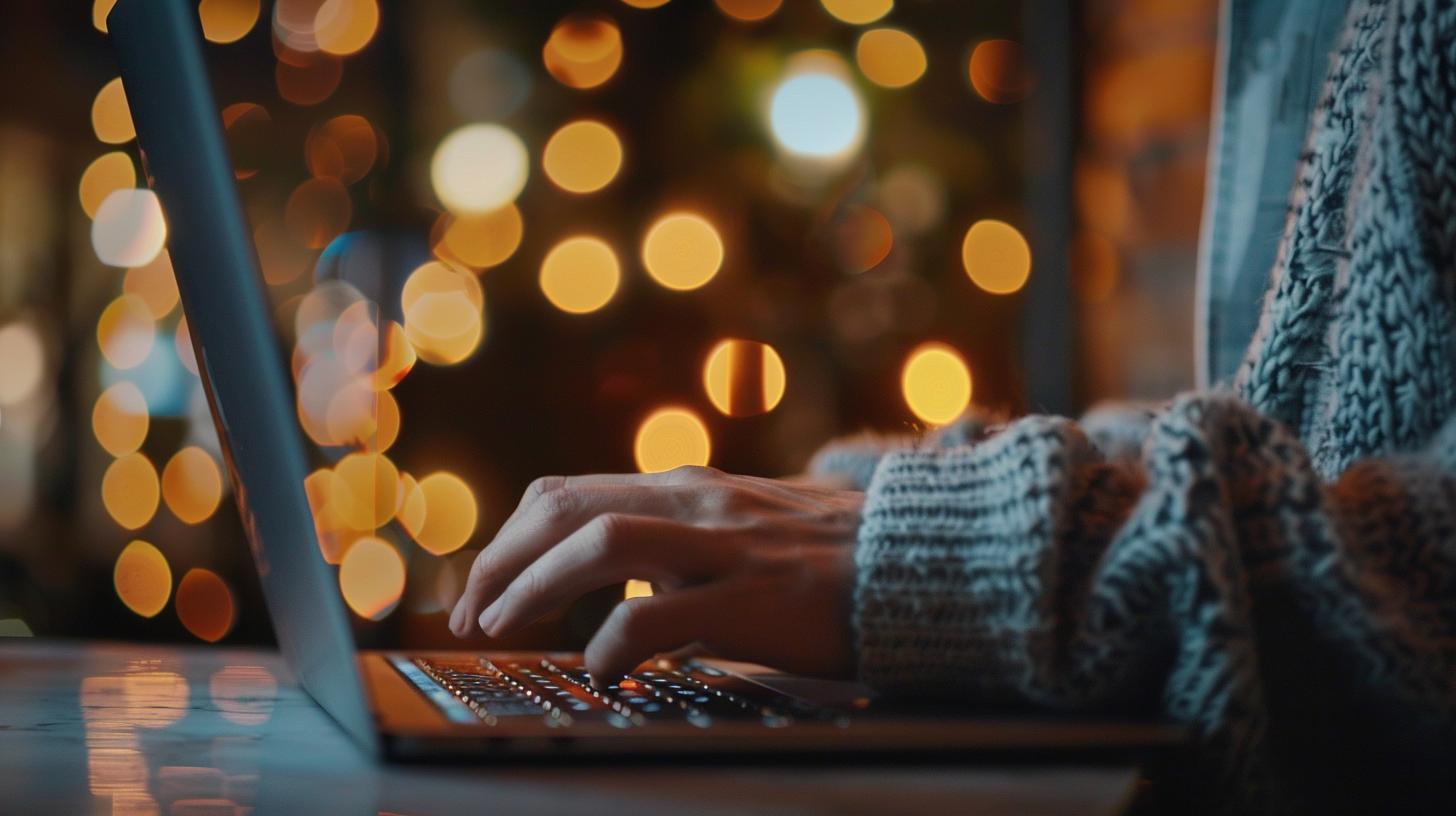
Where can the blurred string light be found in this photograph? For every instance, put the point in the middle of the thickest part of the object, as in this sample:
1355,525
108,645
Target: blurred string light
227,21
442,513
646,4
580,274
863,239
159,377
444,315
126,332
682,251
998,73
186,355
365,491
142,578
120,419
110,114
343,27
912,198
479,241
815,113
582,156
744,378
890,57
306,79
583,51
129,491
636,588
318,211
108,173
283,260
671,437
749,11
996,257
936,383
22,362
371,578
155,283
343,148
128,228
205,605
489,85
858,12
479,168
99,10
192,485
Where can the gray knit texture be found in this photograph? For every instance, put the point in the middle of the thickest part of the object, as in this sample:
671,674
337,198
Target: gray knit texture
1274,567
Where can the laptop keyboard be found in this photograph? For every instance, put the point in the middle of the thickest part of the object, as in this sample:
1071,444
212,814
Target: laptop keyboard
692,693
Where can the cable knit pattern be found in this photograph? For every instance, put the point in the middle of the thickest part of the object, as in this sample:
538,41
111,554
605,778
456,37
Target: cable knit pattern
1276,568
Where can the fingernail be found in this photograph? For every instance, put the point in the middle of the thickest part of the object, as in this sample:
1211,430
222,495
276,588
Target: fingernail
488,618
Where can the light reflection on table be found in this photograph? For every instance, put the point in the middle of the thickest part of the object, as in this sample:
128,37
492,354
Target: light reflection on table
110,728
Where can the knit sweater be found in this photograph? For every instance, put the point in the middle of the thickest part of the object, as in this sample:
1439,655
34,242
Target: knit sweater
1273,566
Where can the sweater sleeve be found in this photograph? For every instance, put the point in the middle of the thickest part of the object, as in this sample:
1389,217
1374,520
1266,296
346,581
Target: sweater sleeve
1218,576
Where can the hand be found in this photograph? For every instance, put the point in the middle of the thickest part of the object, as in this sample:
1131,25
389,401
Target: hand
754,569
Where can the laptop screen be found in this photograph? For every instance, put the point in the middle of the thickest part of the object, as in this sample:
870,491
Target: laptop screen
158,46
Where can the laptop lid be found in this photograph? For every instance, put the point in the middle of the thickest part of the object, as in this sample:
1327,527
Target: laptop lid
158,44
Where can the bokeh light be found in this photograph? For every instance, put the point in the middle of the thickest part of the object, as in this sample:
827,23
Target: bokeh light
192,485
371,578
749,11
998,72
671,437
863,239
308,79
996,257
582,156
22,362
479,241
636,588
120,419
646,4
489,85
583,51
479,168
318,211
99,10
142,579
744,378
110,114
126,332
365,490
443,313
129,491
282,259
128,228
449,513
343,27
108,173
205,605
682,251
858,12
890,57
936,383
580,274
227,21
817,115
913,198
155,283
344,148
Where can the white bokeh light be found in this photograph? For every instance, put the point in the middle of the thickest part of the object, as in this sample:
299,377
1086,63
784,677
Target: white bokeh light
129,229
817,115
479,168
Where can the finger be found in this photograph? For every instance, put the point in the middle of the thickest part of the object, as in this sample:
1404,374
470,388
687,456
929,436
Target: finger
546,516
639,628
607,550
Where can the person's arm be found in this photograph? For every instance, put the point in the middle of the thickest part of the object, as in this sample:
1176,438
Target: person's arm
1219,576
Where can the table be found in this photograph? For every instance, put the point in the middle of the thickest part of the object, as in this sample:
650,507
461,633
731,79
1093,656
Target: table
89,727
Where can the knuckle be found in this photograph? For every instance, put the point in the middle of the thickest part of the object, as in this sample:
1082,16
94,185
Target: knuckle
693,473
608,533
558,502
544,485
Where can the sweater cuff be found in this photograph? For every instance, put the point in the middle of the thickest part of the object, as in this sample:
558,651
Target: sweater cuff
951,549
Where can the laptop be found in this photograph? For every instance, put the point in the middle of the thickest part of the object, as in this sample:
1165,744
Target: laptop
469,706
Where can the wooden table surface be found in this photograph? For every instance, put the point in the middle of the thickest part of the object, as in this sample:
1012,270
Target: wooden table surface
129,729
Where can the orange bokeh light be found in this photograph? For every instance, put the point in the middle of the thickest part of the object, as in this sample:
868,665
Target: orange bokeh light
142,578
371,578
205,605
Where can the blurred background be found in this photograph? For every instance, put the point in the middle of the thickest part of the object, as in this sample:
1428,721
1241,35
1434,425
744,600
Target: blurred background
508,239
